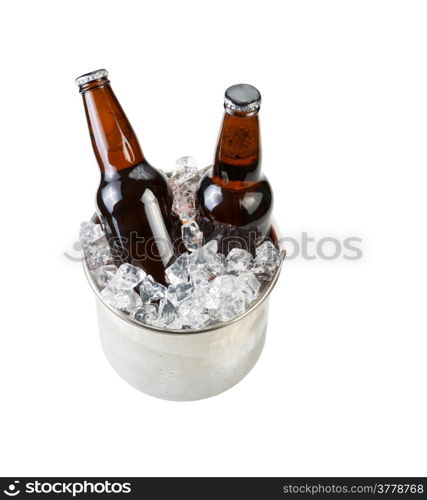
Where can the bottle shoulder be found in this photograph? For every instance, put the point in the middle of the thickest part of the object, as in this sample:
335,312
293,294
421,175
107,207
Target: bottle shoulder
128,187
141,172
234,188
239,205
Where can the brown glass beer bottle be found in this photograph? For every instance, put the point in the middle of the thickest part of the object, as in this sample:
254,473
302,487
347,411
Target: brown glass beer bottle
133,199
236,193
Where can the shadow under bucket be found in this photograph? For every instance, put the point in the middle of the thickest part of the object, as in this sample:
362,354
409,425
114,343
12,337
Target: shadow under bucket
186,365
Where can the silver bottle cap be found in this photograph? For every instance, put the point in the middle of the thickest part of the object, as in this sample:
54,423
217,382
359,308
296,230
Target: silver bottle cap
242,98
90,77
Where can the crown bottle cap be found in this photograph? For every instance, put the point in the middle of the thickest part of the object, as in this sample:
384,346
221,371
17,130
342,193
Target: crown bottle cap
90,77
242,98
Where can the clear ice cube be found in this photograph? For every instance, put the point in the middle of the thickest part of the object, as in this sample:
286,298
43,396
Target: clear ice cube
127,276
239,260
267,253
191,236
178,271
104,274
150,290
178,293
212,299
267,259
97,256
218,265
200,282
192,313
184,204
250,286
204,256
221,288
235,305
168,316
207,261
184,181
90,233
185,172
146,314
176,324
226,284
206,253
123,299
228,297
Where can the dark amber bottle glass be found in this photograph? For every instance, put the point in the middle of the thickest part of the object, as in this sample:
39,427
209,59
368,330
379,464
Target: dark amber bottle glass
236,193
133,200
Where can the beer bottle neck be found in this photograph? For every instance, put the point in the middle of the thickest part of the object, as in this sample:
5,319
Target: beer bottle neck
114,142
238,152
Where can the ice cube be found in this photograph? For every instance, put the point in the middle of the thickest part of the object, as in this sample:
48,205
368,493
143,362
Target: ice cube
235,305
150,290
191,236
146,314
177,293
103,274
204,256
249,285
239,260
183,182
218,266
199,280
97,256
221,287
206,253
192,313
206,261
184,204
227,297
121,298
227,283
90,233
168,316
212,298
267,259
127,276
185,171
176,324
178,271
267,253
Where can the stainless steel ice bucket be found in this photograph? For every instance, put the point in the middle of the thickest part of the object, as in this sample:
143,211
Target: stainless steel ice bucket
186,366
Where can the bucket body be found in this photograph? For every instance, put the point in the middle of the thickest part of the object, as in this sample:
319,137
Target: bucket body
186,365
183,366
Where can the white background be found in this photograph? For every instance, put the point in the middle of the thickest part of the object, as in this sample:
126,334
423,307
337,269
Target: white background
341,386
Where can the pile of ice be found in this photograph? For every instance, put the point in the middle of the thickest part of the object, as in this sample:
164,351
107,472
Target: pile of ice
183,183
205,287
